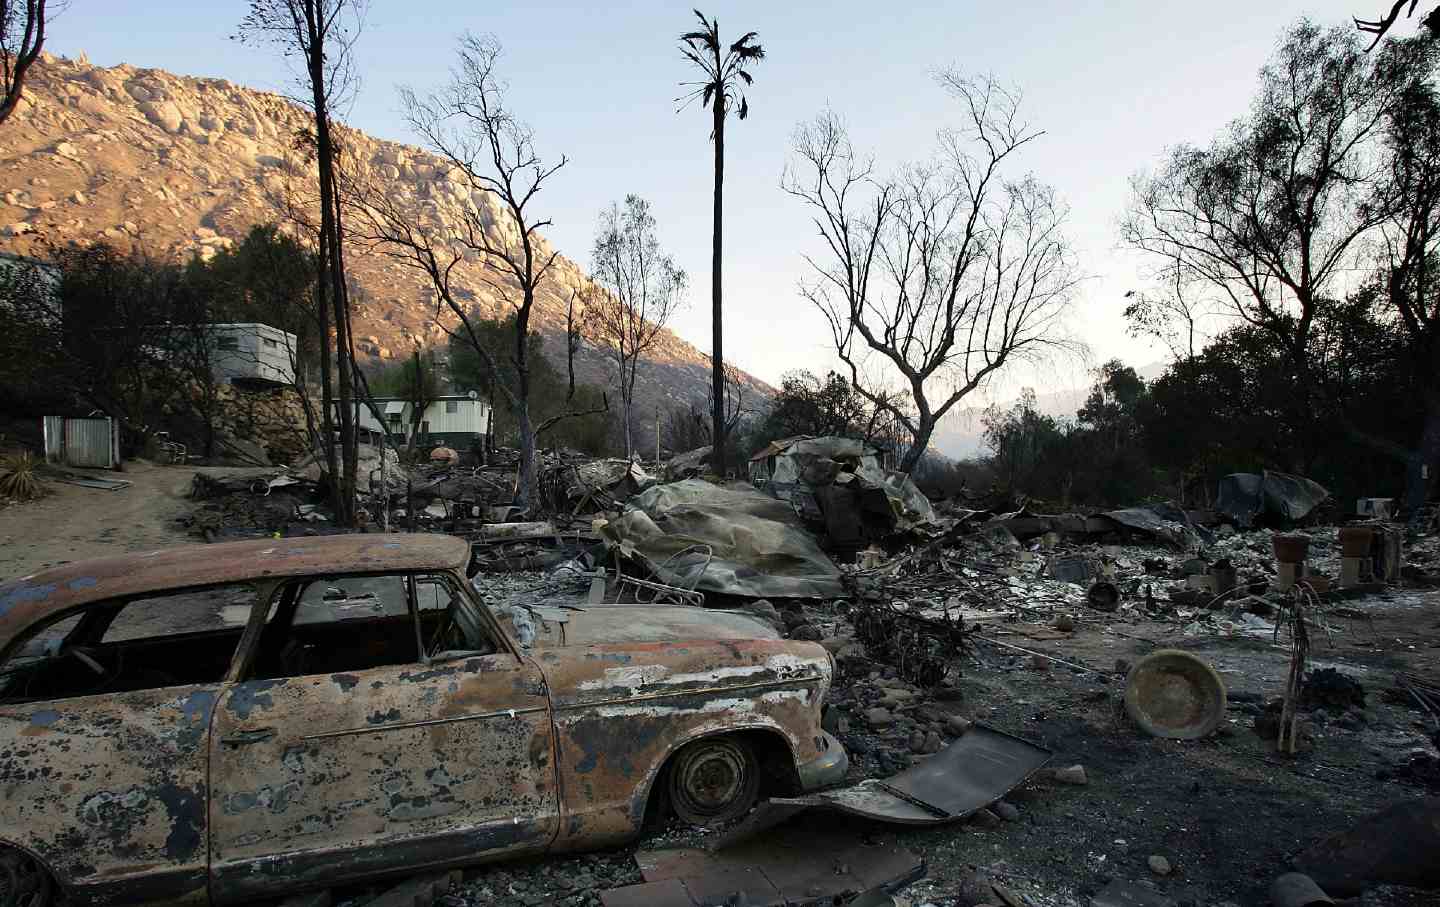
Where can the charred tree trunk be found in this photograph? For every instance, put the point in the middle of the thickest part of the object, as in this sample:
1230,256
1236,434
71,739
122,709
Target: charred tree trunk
527,489
333,273
919,443
717,354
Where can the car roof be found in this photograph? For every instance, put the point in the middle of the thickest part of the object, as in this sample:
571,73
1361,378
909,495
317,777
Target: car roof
28,598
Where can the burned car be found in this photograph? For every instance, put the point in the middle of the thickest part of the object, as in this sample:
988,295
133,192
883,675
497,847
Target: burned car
229,722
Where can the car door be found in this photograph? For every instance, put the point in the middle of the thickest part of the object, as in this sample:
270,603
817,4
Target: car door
318,776
109,789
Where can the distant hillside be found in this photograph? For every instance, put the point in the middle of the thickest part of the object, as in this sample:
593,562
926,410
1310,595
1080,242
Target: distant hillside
182,164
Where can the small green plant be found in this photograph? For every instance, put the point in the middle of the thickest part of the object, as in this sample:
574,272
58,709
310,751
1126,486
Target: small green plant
17,477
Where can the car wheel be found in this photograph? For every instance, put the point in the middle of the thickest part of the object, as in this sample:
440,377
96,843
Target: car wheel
713,781
23,881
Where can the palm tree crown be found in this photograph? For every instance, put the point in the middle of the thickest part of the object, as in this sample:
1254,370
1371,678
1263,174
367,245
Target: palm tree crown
724,68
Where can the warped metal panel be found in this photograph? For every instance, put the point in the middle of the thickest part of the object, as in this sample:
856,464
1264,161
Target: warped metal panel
979,768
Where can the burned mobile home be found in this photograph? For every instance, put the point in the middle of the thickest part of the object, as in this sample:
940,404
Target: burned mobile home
250,718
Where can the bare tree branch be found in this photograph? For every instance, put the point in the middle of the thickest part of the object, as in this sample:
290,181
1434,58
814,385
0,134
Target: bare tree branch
946,272
642,288
491,154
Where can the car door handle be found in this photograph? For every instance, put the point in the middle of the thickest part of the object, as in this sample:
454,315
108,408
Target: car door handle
248,736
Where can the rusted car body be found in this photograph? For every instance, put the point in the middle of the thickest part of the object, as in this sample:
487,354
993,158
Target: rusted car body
358,712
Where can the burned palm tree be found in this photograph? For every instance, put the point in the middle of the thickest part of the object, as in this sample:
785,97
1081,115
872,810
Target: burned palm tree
723,83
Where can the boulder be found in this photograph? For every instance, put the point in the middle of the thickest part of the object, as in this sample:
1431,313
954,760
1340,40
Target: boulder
94,106
163,114
103,80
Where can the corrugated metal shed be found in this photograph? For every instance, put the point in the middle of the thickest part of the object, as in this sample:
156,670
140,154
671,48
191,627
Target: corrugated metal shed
82,442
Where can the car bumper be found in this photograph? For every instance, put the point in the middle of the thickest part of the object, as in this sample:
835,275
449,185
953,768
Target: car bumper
829,768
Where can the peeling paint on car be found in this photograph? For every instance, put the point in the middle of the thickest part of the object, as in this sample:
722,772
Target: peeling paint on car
247,697
21,594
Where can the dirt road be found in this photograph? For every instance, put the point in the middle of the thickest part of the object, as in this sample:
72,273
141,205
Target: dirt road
74,523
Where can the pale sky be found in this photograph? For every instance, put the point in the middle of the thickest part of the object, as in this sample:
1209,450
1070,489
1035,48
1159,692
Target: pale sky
1113,84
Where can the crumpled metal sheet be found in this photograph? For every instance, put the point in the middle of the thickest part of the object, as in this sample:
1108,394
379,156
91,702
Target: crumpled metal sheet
1164,521
803,465
618,476
980,767
761,550
1245,496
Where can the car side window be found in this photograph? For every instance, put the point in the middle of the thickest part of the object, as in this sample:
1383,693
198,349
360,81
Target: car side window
355,623
157,641
192,611
352,598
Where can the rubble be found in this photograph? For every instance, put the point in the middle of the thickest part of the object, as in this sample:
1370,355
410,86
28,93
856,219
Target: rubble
838,485
689,465
595,485
977,622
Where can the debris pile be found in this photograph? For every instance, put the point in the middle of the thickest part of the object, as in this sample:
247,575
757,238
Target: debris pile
1162,626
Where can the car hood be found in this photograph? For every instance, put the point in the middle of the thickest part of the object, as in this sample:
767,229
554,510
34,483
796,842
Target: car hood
618,624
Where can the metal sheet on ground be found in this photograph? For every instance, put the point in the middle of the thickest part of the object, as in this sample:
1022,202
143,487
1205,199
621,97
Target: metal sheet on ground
977,769
102,484
971,773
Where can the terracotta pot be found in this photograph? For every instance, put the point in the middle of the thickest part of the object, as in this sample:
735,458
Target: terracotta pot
1355,541
1291,549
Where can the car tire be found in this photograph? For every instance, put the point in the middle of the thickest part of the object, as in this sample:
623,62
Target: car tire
713,781
24,882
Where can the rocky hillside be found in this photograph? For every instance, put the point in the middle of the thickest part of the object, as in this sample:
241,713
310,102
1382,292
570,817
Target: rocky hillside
187,165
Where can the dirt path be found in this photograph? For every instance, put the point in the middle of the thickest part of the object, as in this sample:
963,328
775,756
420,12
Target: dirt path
73,523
